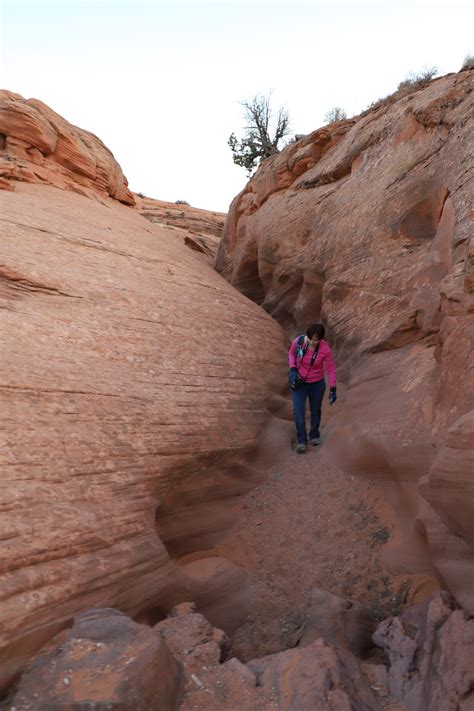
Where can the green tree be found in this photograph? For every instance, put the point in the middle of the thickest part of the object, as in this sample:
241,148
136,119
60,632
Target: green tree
263,133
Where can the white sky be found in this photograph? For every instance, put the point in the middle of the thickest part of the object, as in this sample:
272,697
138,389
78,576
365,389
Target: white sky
159,81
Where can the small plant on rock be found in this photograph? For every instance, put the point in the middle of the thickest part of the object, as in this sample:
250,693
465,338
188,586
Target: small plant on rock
381,535
417,81
468,62
181,202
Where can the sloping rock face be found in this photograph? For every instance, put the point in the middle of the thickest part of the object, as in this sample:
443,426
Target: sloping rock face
134,396
39,146
367,224
200,230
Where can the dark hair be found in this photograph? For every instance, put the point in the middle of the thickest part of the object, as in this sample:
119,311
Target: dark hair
316,329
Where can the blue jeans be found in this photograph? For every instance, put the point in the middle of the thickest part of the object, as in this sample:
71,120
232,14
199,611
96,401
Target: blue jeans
315,393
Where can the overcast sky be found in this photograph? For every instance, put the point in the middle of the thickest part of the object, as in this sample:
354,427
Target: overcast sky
160,81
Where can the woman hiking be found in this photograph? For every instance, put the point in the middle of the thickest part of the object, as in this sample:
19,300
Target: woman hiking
309,357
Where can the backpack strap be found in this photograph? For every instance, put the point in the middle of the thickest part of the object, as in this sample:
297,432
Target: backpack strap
300,349
314,356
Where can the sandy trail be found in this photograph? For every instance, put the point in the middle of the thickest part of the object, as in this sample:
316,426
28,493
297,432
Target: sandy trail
308,525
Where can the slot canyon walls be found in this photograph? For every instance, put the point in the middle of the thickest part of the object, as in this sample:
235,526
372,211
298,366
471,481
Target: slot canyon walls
368,225
134,390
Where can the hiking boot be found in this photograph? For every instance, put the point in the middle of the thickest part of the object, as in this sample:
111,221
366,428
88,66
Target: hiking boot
300,448
315,441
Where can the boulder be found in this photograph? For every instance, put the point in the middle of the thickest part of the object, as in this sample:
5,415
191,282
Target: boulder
341,623
209,683
315,677
192,639
105,661
430,648
312,677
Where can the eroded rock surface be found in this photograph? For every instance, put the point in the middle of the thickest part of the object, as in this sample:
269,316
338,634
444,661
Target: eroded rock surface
134,396
449,516
431,648
201,649
220,591
367,224
315,677
37,145
104,661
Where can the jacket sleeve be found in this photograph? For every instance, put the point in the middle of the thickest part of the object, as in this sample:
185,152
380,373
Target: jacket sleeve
292,354
330,368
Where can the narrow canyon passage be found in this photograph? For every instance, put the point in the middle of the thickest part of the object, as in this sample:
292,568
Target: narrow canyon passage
309,525
159,536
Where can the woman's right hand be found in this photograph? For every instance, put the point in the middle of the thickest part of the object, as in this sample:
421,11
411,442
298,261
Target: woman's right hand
292,377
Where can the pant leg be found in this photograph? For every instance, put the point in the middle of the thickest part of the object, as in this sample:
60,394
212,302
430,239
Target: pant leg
315,394
299,405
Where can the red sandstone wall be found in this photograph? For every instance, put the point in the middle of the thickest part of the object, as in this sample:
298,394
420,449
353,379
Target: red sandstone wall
368,225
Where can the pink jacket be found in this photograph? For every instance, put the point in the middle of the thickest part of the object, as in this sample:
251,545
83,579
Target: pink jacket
324,361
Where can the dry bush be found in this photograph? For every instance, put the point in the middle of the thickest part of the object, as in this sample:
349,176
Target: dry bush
337,113
417,81
264,132
468,62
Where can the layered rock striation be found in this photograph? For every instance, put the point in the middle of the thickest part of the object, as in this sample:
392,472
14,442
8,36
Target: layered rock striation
135,395
367,224
37,145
